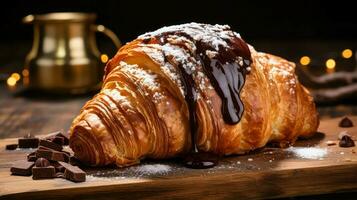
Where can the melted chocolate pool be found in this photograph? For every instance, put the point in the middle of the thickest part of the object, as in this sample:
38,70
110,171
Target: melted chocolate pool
226,70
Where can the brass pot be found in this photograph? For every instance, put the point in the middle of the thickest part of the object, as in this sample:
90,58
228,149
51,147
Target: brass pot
64,57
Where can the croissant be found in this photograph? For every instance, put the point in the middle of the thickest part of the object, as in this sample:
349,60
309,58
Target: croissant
191,86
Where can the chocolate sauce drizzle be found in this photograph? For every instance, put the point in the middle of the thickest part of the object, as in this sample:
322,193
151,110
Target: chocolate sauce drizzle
226,71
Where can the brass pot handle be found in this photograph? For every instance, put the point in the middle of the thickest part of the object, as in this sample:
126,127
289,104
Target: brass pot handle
28,19
109,33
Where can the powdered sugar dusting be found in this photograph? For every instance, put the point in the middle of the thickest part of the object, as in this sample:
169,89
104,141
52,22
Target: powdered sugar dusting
308,152
154,169
138,171
144,77
277,71
214,35
154,51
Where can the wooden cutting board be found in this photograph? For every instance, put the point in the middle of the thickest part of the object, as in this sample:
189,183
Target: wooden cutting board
310,167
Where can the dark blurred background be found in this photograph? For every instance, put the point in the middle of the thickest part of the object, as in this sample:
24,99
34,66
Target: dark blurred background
253,19
292,29
309,33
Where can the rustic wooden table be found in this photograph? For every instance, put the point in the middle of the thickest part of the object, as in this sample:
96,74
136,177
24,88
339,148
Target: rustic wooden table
22,112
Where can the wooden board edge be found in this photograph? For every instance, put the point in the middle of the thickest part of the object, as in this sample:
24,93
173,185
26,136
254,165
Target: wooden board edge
257,185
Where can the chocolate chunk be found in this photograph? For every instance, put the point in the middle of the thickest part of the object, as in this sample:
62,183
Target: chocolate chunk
66,152
43,172
51,145
42,162
44,148
11,146
346,141
22,168
28,142
52,155
53,135
65,138
74,161
32,157
345,122
58,167
58,140
73,173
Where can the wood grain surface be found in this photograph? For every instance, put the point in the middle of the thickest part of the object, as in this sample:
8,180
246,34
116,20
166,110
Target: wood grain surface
310,167
24,112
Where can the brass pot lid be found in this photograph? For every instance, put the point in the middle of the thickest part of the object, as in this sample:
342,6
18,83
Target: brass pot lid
59,17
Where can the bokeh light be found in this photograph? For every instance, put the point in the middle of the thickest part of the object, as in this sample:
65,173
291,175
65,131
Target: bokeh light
25,72
16,76
330,63
305,60
104,58
11,81
347,53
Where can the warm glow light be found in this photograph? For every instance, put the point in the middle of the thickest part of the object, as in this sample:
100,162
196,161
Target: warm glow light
25,72
16,76
11,81
104,58
347,53
330,63
305,60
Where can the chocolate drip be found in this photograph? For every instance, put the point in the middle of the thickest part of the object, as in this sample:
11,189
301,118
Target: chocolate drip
226,70
227,76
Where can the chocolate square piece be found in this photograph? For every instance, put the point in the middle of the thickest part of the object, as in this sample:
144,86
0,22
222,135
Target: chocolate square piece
43,172
28,142
58,140
74,161
11,146
52,155
73,173
32,157
53,135
58,167
22,168
51,145
42,162
65,138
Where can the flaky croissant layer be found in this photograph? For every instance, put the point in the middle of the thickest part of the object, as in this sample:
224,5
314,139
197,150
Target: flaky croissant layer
143,109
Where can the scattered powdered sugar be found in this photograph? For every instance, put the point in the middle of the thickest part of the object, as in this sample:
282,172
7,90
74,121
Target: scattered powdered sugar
157,96
308,152
215,35
138,171
240,61
277,71
103,178
154,169
155,53
143,76
285,73
211,54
